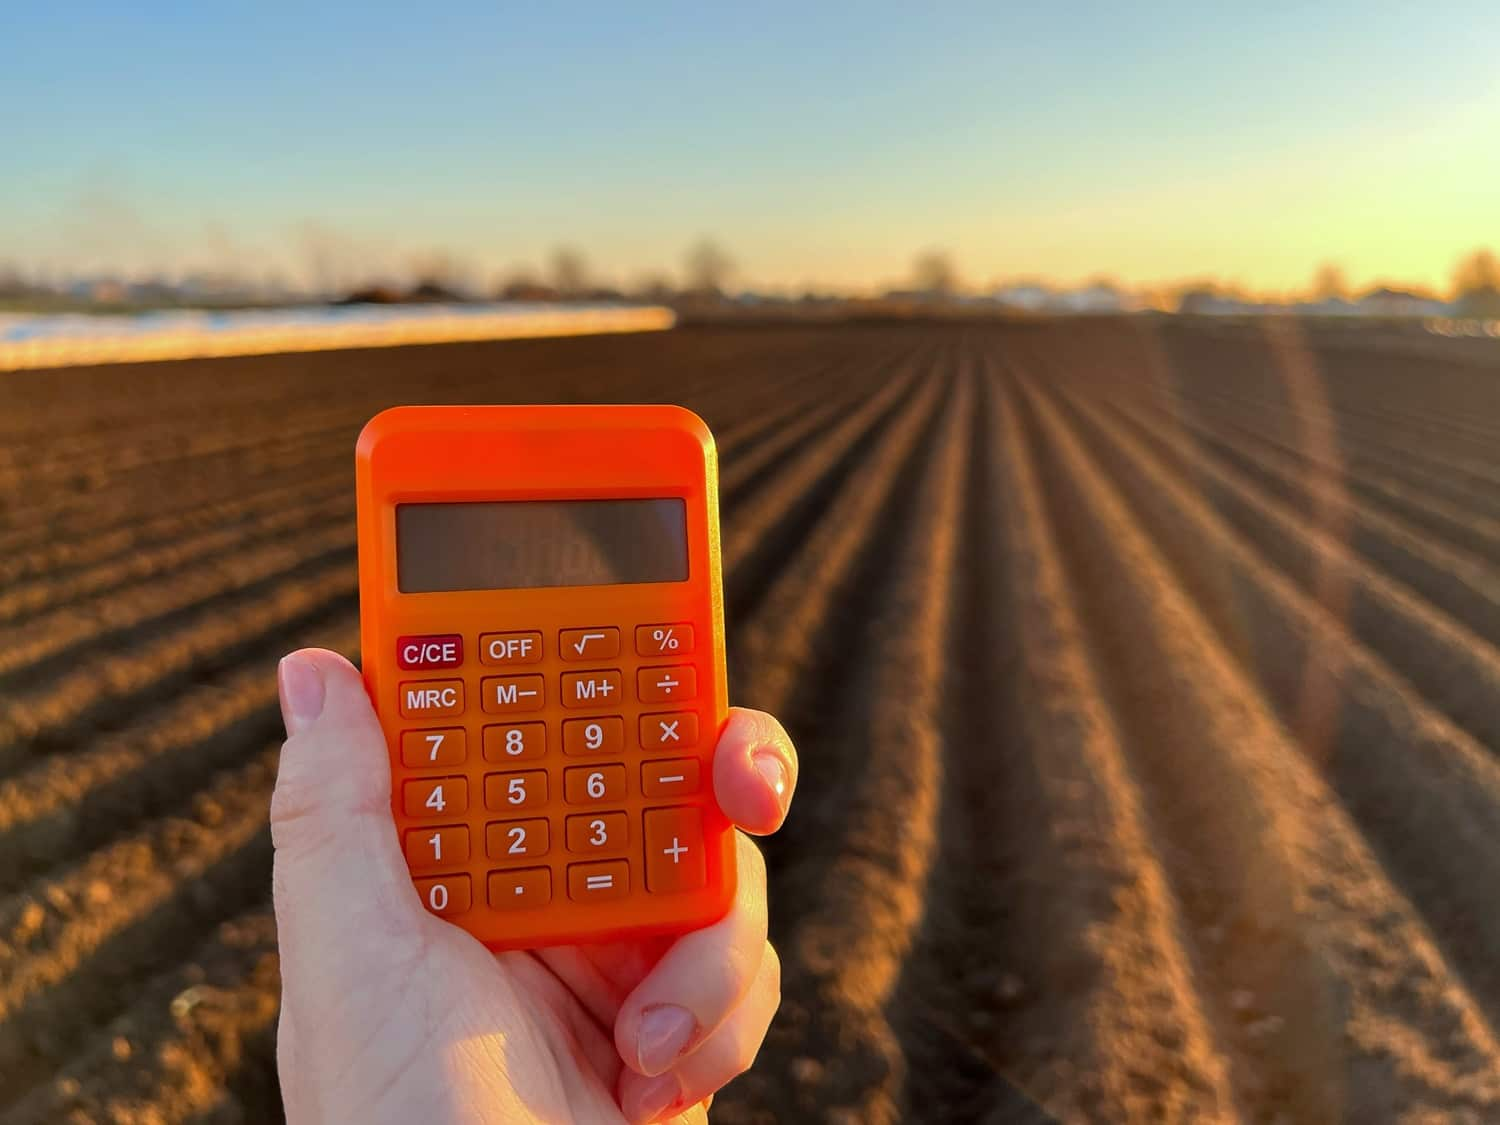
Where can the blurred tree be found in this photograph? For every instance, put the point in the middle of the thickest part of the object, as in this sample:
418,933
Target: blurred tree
570,272
1330,283
441,274
1477,270
708,267
1476,285
933,273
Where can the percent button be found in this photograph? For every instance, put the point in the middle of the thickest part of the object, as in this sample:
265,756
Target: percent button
664,640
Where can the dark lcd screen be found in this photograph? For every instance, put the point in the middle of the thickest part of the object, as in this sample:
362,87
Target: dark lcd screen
528,543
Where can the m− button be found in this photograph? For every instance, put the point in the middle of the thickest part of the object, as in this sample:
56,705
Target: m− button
445,650
428,699
504,695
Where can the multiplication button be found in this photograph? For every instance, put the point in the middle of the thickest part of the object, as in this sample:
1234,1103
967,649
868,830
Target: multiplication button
671,730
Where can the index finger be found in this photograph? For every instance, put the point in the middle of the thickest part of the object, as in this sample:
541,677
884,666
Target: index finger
755,771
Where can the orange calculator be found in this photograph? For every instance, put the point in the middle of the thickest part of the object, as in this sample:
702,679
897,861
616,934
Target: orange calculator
542,627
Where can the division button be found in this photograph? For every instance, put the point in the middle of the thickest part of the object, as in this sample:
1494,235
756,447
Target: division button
674,850
602,642
522,889
665,685
598,882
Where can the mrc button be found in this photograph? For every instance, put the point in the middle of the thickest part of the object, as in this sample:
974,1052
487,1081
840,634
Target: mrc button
432,698
445,650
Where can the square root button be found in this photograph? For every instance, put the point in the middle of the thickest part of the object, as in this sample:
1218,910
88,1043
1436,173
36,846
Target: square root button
674,850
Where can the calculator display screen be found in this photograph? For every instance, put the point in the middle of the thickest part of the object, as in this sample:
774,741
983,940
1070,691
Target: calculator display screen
528,543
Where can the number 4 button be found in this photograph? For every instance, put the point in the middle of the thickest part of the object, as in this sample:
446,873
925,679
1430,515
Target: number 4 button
674,850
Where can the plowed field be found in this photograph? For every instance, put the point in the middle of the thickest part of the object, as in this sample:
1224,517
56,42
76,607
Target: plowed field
1146,676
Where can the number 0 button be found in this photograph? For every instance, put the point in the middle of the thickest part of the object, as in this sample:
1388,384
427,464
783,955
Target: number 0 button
447,894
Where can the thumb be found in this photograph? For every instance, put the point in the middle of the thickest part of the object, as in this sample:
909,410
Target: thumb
340,884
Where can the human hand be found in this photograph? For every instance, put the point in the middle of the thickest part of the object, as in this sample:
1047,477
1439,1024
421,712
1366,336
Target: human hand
390,1014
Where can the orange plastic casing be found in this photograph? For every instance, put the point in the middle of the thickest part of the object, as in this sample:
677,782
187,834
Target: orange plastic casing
458,454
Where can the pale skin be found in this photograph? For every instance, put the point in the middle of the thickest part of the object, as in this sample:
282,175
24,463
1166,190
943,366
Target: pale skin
390,1014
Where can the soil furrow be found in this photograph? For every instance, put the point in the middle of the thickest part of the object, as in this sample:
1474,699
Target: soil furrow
1319,969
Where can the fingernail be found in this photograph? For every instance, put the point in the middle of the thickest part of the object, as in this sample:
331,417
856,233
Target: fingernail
657,1097
301,687
770,766
665,1030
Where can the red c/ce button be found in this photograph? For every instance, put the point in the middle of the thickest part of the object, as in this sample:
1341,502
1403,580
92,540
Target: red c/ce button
445,650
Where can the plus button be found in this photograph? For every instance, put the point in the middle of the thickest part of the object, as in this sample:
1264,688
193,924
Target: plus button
675,851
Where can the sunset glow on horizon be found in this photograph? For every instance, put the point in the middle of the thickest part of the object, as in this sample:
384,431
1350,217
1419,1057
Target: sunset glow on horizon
823,149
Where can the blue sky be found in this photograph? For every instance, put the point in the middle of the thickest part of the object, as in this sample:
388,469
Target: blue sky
821,144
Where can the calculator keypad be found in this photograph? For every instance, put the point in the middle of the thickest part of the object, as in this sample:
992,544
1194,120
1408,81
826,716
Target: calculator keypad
562,731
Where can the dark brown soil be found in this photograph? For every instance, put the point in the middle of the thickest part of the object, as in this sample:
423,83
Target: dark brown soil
1146,676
